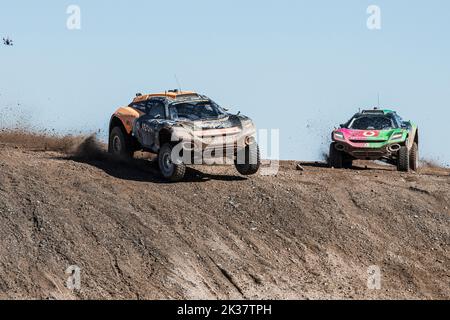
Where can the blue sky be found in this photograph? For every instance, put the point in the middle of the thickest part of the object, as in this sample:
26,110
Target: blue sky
300,66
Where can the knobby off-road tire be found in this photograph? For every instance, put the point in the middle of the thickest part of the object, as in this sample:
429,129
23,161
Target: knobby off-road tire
346,162
170,170
335,158
119,144
414,157
403,159
250,165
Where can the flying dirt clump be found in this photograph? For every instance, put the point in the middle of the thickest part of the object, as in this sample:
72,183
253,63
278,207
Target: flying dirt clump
431,163
89,149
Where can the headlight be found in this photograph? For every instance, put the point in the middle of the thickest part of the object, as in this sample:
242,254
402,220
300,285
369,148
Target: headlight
339,136
248,127
397,136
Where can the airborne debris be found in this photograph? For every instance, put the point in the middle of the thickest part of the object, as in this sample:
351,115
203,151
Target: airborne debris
8,42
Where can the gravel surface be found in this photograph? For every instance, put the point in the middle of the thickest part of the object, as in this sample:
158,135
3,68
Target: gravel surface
310,232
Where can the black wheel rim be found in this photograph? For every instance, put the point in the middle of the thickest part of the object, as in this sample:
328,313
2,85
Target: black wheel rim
166,164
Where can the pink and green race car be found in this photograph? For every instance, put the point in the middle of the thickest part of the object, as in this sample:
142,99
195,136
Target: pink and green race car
376,135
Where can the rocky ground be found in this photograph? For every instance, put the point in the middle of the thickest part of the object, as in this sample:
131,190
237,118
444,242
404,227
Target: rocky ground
302,234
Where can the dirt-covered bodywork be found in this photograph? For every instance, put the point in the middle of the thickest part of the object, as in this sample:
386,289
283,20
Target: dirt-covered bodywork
376,135
184,128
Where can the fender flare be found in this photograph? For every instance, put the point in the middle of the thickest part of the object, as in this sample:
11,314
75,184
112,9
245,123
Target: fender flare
117,122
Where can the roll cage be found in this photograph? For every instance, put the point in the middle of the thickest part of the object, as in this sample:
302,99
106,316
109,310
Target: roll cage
146,105
397,121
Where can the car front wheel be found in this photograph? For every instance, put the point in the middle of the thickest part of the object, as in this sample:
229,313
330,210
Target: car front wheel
171,169
414,157
248,160
403,159
335,158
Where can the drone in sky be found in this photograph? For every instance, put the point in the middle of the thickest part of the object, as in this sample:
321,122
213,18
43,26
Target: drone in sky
7,41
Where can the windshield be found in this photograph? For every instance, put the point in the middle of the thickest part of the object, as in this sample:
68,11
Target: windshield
372,123
196,110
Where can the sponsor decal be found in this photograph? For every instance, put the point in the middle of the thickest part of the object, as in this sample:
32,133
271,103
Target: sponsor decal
369,134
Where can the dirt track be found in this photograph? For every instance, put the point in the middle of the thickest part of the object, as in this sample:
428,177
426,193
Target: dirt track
301,234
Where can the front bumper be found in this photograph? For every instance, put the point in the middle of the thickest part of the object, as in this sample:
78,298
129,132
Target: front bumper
214,145
226,139
368,150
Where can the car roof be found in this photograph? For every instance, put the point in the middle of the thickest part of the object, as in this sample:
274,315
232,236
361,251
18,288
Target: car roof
172,94
374,112
377,112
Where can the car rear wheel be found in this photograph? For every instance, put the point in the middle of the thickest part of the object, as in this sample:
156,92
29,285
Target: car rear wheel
335,158
403,159
118,144
171,169
414,157
249,161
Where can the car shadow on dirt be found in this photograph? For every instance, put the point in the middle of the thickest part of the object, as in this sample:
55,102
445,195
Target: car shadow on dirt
315,164
356,166
144,170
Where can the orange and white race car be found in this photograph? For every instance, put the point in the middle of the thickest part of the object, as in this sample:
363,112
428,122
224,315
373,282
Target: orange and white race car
184,128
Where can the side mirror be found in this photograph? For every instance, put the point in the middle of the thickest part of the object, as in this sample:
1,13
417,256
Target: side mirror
226,109
158,116
406,124
342,125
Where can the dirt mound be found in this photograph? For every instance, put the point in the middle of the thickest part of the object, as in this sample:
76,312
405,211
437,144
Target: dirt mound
302,234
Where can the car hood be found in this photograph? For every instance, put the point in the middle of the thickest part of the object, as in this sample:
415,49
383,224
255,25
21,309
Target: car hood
229,121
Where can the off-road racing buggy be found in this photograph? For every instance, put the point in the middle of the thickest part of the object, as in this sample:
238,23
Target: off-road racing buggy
376,135
184,128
